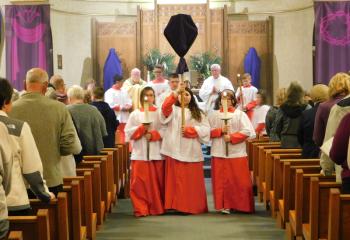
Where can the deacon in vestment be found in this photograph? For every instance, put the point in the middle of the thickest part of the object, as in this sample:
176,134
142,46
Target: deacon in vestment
248,95
144,130
159,84
212,86
232,185
259,113
181,146
118,99
133,86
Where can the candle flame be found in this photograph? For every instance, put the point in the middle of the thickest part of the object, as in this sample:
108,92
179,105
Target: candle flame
224,94
238,75
145,98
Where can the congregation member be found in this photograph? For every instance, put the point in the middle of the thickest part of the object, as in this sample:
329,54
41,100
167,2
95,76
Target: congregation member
5,177
271,114
246,95
173,85
211,87
336,114
133,86
144,130
159,83
259,113
231,182
88,121
26,159
119,100
108,115
181,147
51,125
318,94
58,90
287,120
339,87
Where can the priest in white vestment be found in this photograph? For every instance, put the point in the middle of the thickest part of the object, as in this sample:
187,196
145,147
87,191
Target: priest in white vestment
133,86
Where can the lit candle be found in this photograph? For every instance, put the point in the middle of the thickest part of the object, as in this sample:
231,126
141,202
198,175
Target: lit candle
148,76
238,75
224,104
146,109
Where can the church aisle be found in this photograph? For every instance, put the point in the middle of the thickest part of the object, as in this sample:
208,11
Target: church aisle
122,225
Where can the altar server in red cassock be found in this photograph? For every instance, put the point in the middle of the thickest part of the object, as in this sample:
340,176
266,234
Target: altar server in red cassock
184,175
259,113
248,95
147,165
232,185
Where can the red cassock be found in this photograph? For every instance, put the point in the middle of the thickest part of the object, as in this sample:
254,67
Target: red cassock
147,187
184,186
232,185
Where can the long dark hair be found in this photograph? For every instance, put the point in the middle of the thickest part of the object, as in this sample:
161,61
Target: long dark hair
143,92
192,105
229,92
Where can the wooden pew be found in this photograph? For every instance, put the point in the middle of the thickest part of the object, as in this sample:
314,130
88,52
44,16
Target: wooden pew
339,219
287,201
33,227
76,230
58,215
89,218
277,186
15,235
125,169
116,167
96,190
300,213
112,187
260,177
249,148
317,227
266,184
106,195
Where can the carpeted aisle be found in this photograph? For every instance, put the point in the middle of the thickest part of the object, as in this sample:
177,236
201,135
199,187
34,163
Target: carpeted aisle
121,224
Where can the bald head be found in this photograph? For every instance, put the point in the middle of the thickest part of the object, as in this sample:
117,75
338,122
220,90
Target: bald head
37,80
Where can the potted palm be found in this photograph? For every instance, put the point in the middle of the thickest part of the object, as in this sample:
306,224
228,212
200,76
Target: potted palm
154,57
201,64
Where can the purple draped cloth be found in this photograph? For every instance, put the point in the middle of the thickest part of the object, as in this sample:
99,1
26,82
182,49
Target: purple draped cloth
332,36
28,41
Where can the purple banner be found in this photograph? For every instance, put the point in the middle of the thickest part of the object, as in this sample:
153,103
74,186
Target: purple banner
332,36
28,41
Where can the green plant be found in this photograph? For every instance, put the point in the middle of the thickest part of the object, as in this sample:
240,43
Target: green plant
202,62
154,57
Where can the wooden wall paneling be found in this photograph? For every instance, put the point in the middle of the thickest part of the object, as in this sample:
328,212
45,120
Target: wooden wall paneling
217,32
241,36
147,35
138,37
120,35
225,43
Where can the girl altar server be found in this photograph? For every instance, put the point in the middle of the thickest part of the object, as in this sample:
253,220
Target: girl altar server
232,185
181,146
147,165
259,113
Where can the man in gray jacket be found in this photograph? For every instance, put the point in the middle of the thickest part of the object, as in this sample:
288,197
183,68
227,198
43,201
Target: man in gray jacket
51,125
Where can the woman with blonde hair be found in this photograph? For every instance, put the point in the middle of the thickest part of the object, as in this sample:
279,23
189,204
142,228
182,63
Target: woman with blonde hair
287,120
318,94
339,87
271,114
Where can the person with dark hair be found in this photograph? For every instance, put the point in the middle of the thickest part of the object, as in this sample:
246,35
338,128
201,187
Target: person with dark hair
173,85
159,83
145,131
259,113
287,120
118,99
181,148
232,185
51,124
108,115
26,159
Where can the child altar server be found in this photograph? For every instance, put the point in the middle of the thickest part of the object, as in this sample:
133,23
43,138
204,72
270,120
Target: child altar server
187,127
147,165
230,127
259,113
246,95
